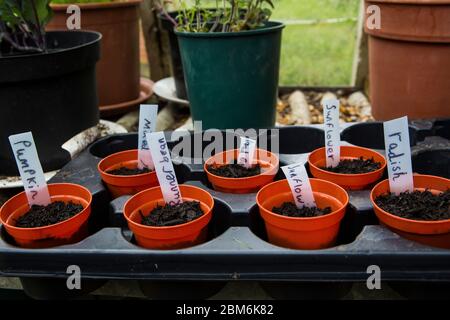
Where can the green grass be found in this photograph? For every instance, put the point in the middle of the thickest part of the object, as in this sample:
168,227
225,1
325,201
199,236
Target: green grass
315,9
319,54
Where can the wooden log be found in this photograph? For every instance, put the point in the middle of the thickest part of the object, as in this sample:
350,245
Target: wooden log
299,107
156,42
360,70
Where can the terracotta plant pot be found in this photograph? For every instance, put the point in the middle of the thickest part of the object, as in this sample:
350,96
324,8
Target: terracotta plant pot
118,71
316,160
69,231
409,59
172,237
303,233
433,233
267,160
125,185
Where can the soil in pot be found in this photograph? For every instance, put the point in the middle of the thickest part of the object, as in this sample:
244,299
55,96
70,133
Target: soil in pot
234,170
289,209
125,171
354,166
41,216
167,215
417,205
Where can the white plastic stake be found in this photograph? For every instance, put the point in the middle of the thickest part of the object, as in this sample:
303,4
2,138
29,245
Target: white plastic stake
164,168
332,132
147,124
30,169
298,180
246,152
398,154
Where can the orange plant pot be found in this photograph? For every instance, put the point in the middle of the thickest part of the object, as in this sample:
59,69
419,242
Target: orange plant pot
69,231
125,185
268,161
348,181
409,59
172,237
118,71
303,233
432,233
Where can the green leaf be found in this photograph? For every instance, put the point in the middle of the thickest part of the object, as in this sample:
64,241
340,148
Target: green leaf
43,11
10,13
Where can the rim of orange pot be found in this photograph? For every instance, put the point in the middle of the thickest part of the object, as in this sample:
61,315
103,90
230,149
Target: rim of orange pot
134,152
327,216
385,183
322,149
272,171
205,215
51,188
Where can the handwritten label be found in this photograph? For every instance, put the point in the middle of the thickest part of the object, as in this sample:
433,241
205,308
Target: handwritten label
30,169
398,154
332,134
147,124
246,152
298,180
164,168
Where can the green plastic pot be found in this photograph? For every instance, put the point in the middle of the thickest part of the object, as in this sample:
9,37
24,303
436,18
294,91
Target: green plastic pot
232,78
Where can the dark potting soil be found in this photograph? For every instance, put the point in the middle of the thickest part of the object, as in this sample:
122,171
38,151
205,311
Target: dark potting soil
124,171
417,205
235,170
167,215
355,166
289,209
41,216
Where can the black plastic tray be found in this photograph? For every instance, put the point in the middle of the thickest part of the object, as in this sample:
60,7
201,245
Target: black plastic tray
237,248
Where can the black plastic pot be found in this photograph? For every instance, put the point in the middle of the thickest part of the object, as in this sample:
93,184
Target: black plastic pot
177,65
53,94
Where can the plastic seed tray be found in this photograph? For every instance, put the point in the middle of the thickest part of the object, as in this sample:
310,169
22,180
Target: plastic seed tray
237,248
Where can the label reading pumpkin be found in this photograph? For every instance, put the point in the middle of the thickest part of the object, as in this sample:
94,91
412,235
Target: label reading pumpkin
30,169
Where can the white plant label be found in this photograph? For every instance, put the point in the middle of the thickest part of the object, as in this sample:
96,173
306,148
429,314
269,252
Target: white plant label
246,152
298,180
398,155
147,124
332,132
30,169
164,168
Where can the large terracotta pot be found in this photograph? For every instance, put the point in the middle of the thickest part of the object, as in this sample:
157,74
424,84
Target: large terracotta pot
118,71
409,59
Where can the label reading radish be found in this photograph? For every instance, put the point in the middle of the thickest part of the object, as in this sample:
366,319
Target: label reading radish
298,180
164,168
147,124
332,132
30,169
246,152
398,155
